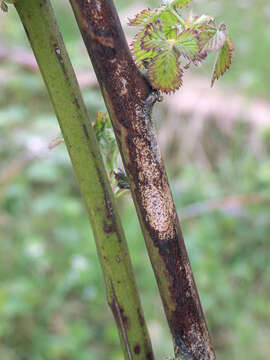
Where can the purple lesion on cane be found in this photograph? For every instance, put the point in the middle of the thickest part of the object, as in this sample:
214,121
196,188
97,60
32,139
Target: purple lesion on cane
85,131
137,349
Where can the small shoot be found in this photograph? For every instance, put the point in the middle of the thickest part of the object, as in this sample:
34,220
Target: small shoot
109,151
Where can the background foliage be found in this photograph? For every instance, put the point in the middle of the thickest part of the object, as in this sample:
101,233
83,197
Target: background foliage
52,301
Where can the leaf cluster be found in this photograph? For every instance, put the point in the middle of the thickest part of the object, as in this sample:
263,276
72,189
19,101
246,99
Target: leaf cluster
167,44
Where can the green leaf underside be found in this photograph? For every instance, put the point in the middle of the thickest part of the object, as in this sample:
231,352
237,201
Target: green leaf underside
187,43
224,59
165,73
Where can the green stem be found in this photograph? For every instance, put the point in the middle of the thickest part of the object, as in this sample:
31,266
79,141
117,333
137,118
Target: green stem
46,41
129,99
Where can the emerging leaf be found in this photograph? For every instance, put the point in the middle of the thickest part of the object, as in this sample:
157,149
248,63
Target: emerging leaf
165,73
224,59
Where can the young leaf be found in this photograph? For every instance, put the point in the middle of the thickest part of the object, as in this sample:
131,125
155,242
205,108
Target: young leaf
170,22
218,40
153,38
141,18
168,17
147,16
223,61
206,33
187,44
196,21
178,4
165,73
142,57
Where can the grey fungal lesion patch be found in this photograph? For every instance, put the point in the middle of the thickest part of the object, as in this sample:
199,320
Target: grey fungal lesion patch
156,197
200,348
159,211
58,54
192,291
124,89
196,341
58,51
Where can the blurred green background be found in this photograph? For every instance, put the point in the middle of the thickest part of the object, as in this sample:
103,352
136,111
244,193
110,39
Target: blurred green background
216,144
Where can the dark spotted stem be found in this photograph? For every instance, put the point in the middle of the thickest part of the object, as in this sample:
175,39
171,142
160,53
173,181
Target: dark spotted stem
44,36
129,100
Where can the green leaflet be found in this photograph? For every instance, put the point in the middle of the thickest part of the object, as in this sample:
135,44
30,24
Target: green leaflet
167,44
224,60
164,72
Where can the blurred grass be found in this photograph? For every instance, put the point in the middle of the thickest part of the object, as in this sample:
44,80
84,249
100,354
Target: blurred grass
52,301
